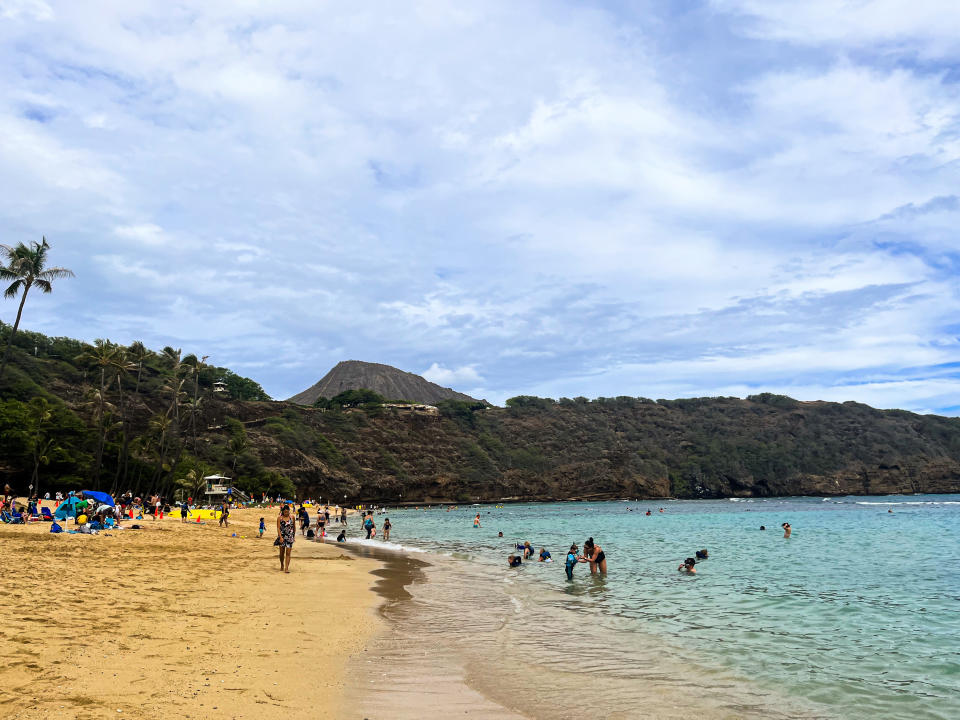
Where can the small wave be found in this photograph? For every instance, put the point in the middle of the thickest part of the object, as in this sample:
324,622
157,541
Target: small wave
910,502
386,545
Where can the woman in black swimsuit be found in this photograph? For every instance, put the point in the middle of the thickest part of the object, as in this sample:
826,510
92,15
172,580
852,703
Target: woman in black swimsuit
594,553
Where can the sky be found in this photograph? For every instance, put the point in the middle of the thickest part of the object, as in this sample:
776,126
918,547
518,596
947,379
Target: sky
656,199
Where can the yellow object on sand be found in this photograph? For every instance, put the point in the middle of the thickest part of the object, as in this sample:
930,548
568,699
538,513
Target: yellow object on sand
196,513
81,519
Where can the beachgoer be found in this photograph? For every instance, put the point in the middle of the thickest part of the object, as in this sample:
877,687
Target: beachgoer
786,529
688,566
286,534
386,529
514,561
702,554
572,559
321,525
343,516
763,527
500,534
527,550
225,514
649,513
184,511
368,525
594,554
263,527
889,511
342,537
661,509
476,521
304,519
545,555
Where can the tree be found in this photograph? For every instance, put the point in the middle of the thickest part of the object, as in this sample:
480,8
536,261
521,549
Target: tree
195,366
102,354
237,447
26,268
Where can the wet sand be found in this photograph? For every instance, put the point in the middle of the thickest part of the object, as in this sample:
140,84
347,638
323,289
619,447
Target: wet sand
179,621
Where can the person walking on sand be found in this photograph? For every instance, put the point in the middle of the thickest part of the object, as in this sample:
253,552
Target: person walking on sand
225,515
286,534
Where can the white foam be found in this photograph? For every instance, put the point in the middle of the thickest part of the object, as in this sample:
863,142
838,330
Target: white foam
384,545
909,502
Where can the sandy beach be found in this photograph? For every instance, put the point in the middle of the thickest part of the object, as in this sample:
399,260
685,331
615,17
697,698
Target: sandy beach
179,621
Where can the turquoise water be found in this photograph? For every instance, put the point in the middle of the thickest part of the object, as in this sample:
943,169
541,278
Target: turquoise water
856,615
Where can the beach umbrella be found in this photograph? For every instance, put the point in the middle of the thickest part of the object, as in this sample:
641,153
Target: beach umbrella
65,509
102,497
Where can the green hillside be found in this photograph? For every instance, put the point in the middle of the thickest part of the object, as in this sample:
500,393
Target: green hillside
117,418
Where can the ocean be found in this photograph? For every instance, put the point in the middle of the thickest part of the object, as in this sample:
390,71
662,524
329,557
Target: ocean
857,615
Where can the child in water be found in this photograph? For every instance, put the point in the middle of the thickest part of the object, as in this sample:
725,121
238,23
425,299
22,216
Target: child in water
688,566
514,561
262,527
545,555
572,559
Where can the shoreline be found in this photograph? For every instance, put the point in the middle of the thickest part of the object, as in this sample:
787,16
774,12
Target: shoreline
180,620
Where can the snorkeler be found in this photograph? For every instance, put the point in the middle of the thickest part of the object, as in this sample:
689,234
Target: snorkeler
702,554
545,555
786,529
527,550
514,561
688,566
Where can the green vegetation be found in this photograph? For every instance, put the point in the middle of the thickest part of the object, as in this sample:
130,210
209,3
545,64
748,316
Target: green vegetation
26,268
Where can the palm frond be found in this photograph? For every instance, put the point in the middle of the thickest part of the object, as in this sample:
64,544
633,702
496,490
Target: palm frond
13,289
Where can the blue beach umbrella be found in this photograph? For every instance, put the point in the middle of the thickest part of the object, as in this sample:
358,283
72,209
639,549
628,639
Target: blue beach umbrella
65,509
101,497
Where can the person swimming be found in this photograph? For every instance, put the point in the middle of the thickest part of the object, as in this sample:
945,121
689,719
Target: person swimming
649,513
702,554
514,561
545,555
688,566
763,527
527,550
500,534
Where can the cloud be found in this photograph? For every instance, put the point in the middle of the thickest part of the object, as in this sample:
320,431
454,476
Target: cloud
519,197
452,376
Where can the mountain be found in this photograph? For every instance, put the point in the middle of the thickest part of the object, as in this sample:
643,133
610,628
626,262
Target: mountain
142,431
385,380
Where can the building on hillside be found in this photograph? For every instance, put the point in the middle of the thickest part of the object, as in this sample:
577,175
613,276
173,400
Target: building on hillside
414,408
221,387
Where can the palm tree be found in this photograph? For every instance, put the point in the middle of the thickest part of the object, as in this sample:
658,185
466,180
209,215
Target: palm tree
102,354
196,366
238,446
137,353
41,444
121,365
26,268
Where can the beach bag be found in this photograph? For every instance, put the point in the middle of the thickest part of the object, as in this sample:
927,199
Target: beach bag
277,542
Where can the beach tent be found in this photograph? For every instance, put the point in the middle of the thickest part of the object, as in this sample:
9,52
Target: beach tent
65,509
102,497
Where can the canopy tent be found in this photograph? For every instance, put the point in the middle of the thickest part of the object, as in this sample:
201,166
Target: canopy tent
65,509
102,497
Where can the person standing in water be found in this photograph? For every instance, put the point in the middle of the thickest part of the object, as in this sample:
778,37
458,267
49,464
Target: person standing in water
594,554
571,562
286,534
476,521
386,529
786,529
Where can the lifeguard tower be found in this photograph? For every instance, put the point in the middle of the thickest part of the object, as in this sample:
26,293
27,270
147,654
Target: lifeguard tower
219,489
